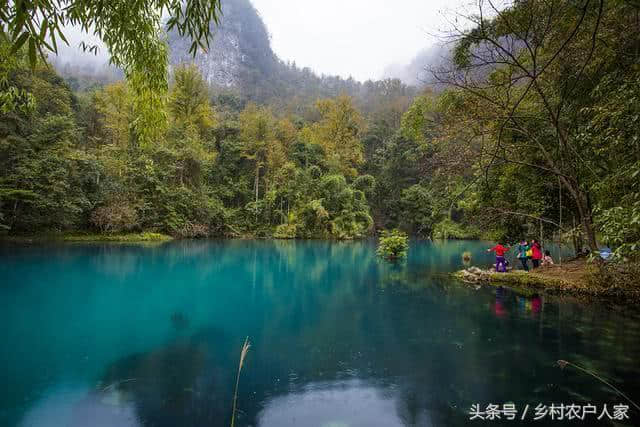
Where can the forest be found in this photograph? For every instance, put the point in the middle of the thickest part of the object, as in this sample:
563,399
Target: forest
533,128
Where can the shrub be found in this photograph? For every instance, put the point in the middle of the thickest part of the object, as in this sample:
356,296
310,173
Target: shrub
365,183
285,231
393,245
115,217
613,274
193,231
620,228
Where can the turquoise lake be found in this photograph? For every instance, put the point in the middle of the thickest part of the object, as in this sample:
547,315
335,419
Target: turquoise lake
137,335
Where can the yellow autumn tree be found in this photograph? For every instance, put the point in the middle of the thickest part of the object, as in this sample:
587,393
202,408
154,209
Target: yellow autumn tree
114,105
338,132
189,102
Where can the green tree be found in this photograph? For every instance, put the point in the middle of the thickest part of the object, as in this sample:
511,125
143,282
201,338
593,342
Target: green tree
393,245
189,102
131,32
257,136
338,132
43,177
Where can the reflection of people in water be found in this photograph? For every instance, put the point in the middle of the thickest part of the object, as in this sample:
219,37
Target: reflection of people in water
498,306
536,303
529,305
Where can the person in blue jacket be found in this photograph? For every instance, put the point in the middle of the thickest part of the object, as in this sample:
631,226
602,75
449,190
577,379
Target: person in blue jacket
521,253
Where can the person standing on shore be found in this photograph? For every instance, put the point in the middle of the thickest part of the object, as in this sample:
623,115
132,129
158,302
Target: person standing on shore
521,253
547,260
536,253
501,264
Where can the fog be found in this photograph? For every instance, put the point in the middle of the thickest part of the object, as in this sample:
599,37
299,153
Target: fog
358,38
363,39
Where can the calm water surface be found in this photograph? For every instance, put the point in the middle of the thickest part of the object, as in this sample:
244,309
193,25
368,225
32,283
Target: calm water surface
126,335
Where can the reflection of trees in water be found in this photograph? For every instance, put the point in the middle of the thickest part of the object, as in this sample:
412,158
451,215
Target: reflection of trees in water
457,353
315,311
116,260
179,321
186,382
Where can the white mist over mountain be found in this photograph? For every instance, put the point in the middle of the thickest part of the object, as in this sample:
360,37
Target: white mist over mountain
356,38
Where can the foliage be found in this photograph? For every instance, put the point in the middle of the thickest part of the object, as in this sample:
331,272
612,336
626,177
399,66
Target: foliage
612,127
338,133
614,277
189,102
12,98
114,217
417,210
535,133
131,32
620,227
393,245
285,231
448,229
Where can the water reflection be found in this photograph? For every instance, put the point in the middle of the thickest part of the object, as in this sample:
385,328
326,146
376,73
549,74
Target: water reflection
156,332
522,306
334,404
498,306
179,320
79,407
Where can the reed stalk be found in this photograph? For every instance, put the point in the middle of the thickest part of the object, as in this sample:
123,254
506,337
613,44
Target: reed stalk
243,355
563,363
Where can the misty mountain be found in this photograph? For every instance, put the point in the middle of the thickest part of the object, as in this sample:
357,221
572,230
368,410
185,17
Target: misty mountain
240,60
240,66
418,71
239,53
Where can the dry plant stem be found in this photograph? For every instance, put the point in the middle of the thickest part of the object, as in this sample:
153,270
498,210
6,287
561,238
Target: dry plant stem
563,363
243,355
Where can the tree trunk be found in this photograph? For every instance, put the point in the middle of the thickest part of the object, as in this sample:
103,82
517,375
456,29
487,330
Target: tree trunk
255,186
581,198
255,183
586,220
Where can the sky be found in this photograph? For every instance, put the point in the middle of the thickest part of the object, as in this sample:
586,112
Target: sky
357,38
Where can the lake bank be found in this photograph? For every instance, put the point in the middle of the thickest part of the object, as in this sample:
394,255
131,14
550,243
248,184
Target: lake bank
575,277
144,236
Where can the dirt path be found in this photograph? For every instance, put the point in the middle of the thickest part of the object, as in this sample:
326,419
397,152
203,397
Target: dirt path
574,272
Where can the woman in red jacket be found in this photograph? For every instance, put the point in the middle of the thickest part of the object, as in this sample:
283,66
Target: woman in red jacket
536,253
501,265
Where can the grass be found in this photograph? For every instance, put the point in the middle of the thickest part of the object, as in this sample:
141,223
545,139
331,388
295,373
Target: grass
536,280
144,236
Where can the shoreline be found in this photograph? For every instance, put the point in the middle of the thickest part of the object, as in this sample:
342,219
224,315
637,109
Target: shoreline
141,237
573,278
149,236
